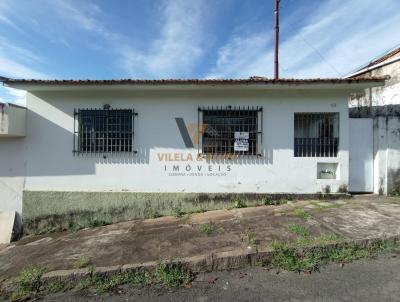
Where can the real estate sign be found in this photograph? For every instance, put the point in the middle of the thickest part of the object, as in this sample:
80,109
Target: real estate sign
241,141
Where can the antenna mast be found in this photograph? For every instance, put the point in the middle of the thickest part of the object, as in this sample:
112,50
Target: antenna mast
276,60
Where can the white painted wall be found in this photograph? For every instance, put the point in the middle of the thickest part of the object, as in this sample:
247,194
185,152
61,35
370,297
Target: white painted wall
44,159
12,173
386,154
12,120
52,166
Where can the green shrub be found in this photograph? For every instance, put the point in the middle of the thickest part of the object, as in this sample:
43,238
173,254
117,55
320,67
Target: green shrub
28,283
177,212
238,203
29,279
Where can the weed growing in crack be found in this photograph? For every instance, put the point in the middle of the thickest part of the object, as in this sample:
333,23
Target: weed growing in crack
298,230
56,287
301,213
82,262
208,228
298,258
28,283
172,274
250,238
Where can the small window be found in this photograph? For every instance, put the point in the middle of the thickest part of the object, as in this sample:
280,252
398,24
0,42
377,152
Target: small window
316,134
103,130
230,130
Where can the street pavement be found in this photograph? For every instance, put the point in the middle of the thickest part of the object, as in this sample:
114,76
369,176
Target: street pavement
376,280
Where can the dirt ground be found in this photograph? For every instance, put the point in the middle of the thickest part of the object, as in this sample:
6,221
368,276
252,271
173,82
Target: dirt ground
169,238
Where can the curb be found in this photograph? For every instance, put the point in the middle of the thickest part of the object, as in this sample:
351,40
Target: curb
203,263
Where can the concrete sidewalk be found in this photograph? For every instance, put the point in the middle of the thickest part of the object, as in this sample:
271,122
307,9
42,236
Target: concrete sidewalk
148,240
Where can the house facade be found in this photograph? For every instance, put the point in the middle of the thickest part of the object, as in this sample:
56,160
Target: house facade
140,148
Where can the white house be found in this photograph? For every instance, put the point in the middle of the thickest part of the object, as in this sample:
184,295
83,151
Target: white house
122,149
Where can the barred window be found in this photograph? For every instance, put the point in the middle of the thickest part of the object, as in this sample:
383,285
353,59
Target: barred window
230,130
103,130
316,134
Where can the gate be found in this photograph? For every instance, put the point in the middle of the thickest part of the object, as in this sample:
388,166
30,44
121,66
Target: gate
361,170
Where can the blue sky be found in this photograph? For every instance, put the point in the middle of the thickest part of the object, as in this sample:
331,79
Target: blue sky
189,38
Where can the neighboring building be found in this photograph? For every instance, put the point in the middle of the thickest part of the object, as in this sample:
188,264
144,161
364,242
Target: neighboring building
382,105
137,148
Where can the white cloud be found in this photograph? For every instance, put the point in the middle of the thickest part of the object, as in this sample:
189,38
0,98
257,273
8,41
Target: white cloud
10,68
179,46
5,11
16,96
241,55
83,16
7,48
335,39
8,22
176,50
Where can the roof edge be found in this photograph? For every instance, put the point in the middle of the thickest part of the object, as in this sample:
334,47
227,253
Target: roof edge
251,80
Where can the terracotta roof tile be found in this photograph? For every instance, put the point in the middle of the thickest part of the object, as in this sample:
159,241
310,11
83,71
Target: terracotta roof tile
385,57
251,80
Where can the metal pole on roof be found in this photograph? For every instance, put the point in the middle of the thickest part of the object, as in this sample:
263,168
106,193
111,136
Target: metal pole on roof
276,61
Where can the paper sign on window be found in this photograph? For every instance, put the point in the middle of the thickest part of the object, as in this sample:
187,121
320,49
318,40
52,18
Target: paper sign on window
241,135
241,141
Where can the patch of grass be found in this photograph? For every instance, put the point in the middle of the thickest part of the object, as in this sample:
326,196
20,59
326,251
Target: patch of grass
298,230
94,222
238,203
56,287
349,253
208,228
28,283
274,202
172,274
167,274
155,214
86,282
301,213
82,262
138,277
250,238
177,212
201,210
302,259
287,258
105,284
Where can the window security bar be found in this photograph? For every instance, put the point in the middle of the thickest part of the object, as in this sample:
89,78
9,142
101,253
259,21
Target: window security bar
230,130
99,131
316,134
